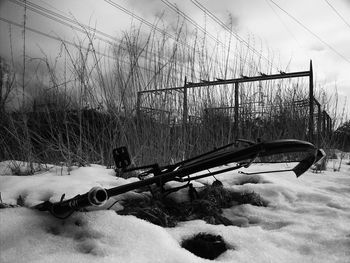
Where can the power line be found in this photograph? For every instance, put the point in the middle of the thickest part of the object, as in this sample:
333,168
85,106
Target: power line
155,72
66,21
72,23
284,24
69,22
222,24
152,26
335,10
195,24
66,41
149,24
307,29
188,18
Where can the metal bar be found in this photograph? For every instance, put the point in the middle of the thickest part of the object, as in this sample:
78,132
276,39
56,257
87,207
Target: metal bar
236,110
185,118
251,79
238,80
318,124
330,128
311,104
160,90
317,103
188,179
266,172
324,124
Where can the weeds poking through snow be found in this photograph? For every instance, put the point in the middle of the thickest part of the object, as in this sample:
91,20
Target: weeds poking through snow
20,201
26,168
4,205
208,207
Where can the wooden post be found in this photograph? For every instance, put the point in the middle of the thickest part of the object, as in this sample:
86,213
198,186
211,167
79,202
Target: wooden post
311,104
236,110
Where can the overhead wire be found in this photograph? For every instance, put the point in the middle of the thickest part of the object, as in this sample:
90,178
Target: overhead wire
72,23
283,23
66,41
80,27
149,24
152,26
311,32
155,72
177,10
66,21
196,25
189,19
234,34
336,11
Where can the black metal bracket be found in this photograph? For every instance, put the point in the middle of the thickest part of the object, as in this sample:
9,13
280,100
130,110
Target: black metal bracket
121,157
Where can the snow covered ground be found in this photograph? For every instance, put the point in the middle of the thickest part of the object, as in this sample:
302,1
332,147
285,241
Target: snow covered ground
307,220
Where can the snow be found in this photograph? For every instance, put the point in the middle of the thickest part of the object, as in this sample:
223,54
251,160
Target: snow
307,220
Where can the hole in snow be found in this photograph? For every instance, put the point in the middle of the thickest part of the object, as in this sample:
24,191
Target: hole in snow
205,245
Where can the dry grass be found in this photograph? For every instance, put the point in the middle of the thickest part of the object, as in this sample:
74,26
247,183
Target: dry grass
89,107
208,207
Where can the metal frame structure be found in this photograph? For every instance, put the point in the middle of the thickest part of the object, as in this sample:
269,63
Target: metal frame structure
325,125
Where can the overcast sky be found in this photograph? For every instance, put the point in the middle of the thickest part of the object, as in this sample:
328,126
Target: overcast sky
328,43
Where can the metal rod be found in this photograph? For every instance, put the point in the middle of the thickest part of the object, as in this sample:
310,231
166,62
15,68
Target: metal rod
266,172
237,80
311,104
319,117
185,118
188,179
251,79
236,110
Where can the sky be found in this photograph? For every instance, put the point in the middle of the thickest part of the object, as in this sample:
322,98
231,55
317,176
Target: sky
294,31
